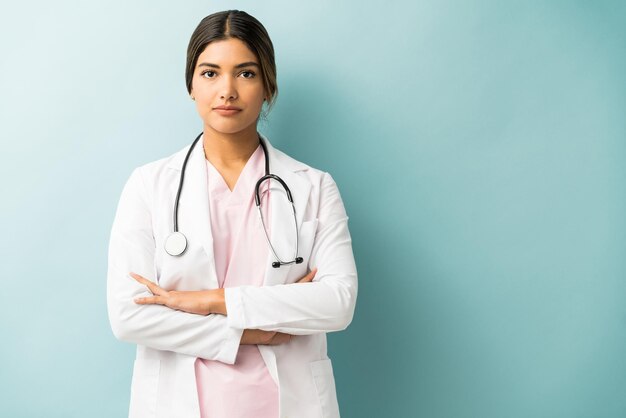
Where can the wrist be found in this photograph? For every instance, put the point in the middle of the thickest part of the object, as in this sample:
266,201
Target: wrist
218,304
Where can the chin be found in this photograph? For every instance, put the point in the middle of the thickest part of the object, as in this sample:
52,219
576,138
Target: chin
230,128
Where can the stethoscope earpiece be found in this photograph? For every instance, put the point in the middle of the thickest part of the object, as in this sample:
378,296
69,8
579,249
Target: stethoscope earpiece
176,243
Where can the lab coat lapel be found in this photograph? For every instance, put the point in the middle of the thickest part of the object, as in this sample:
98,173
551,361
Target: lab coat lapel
193,210
282,231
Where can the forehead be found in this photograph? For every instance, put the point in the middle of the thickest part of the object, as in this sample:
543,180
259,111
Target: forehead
226,52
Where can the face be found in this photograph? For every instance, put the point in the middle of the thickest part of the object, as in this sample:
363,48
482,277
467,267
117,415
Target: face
227,73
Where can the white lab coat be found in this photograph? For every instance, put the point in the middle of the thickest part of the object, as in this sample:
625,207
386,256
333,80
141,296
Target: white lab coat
169,341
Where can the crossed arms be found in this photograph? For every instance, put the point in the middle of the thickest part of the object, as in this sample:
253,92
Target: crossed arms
216,329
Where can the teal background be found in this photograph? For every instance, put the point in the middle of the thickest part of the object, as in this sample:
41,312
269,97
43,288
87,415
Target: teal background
479,147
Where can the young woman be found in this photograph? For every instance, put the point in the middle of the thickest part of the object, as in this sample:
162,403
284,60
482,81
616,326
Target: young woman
229,261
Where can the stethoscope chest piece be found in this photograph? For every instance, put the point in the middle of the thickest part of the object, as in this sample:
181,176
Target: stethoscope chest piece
175,244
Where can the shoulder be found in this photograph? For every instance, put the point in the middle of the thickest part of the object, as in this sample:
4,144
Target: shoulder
145,180
313,174
293,164
156,168
322,183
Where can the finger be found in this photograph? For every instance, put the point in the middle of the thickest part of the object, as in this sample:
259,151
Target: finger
266,337
280,338
150,300
309,277
154,288
138,277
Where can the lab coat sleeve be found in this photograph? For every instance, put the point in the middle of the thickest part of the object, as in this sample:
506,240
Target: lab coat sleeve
132,248
324,305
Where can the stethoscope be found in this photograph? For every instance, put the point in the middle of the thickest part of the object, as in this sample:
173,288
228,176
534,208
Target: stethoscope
176,242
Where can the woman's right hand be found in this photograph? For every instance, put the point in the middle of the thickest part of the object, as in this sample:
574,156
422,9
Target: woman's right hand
260,337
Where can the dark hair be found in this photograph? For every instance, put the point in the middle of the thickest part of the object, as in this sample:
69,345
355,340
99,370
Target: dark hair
235,24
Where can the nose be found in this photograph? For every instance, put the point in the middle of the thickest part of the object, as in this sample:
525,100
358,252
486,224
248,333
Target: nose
228,89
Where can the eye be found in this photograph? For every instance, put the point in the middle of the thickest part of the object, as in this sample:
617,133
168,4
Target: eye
250,74
210,73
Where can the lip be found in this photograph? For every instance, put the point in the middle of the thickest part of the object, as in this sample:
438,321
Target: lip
227,110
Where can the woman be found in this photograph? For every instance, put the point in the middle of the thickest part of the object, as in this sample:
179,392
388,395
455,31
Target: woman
229,303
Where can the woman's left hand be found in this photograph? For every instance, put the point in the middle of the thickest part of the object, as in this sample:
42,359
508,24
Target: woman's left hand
197,301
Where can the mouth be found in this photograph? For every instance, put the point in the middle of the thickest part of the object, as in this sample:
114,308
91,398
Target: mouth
227,111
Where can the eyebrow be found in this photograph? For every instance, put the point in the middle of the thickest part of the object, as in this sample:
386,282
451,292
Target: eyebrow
243,64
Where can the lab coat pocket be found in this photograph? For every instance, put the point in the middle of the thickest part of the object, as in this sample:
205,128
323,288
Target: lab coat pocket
322,371
143,392
306,238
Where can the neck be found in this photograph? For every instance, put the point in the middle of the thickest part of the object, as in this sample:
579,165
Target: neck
230,149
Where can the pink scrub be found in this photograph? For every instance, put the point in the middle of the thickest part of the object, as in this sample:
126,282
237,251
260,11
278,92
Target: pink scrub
244,389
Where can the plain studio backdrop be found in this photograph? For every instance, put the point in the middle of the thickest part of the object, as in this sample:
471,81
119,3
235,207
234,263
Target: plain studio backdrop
479,147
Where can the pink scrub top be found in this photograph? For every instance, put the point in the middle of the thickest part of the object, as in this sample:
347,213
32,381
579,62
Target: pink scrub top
244,389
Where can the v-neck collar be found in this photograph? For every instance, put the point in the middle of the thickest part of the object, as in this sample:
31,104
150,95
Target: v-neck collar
194,212
244,186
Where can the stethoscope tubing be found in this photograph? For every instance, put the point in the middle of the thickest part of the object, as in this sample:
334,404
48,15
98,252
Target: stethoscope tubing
176,242
181,182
